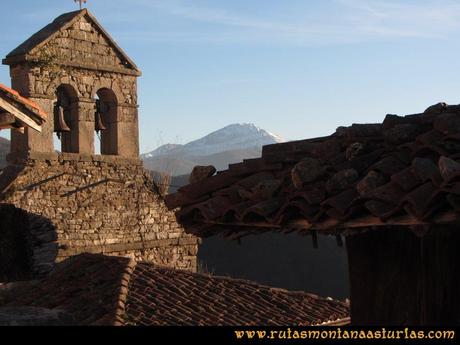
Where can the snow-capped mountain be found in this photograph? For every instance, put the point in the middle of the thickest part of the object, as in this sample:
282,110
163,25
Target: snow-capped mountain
232,137
227,145
162,150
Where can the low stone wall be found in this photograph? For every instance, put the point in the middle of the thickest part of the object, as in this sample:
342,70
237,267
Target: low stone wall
99,204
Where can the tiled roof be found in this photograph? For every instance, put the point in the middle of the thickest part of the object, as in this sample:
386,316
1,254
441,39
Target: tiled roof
18,100
404,171
159,296
87,286
102,290
18,112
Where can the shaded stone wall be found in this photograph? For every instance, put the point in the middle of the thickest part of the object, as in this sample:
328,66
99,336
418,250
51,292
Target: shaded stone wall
28,246
99,204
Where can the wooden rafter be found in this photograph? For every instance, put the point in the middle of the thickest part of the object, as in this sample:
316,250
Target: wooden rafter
450,217
19,115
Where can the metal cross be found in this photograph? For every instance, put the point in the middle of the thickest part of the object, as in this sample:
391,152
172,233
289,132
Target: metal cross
81,2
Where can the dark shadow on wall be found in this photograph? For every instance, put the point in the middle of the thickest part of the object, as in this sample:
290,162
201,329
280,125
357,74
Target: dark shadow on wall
28,247
280,260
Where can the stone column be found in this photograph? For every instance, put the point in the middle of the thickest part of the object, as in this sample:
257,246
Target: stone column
22,81
128,131
32,140
85,126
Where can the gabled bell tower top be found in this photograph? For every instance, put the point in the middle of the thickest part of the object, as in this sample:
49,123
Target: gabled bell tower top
68,68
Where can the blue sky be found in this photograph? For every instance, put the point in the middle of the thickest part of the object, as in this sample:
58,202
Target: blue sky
298,68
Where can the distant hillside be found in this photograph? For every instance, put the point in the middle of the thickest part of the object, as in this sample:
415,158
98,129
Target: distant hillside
171,165
230,144
4,150
183,165
163,150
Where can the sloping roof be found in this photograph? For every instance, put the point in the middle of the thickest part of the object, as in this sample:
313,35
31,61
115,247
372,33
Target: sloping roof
103,290
50,31
89,287
159,296
22,110
403,171
45,34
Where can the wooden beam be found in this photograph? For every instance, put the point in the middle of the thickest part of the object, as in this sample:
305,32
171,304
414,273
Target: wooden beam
366,221
6,126
449,217
253,225
19,115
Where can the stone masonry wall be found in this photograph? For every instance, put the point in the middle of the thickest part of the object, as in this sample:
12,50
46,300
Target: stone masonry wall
83,42
83,59
100,204
40,85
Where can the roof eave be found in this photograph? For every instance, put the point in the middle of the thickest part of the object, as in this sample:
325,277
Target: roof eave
113,43
327,227
23,58
15,59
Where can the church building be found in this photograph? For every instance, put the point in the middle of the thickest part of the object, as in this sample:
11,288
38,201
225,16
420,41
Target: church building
56,202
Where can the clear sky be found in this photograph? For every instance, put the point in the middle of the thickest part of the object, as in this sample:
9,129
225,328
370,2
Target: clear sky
298,68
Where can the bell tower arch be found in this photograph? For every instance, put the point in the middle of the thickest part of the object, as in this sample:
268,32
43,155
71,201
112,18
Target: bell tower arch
62,68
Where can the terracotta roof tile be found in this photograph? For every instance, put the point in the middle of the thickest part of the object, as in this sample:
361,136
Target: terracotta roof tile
14,96
404,167
159,296
107,290
86,286
406,179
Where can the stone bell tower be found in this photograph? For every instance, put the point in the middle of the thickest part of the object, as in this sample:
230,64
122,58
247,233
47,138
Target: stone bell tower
77,201
69,67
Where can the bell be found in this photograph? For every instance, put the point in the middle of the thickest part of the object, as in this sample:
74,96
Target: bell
60,125
99,125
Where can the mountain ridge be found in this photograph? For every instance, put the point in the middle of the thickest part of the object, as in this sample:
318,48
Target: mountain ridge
230,137
229,144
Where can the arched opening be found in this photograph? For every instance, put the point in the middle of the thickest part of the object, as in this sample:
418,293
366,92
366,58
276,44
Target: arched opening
97,124
66,118
105,122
